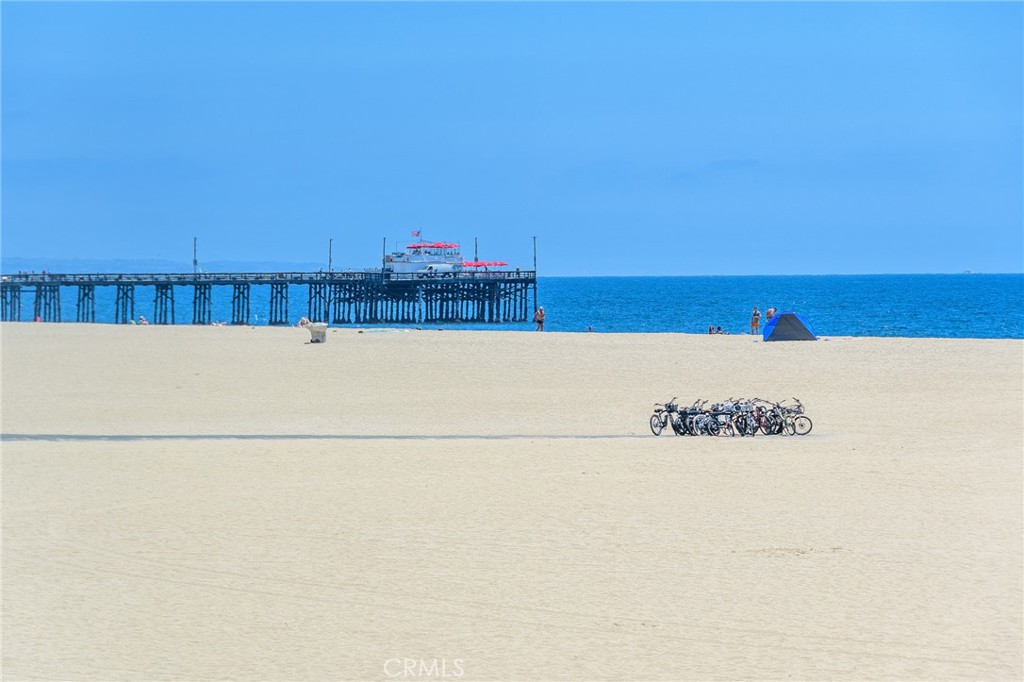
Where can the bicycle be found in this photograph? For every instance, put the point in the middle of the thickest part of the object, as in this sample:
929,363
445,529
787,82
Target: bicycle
664,415
741,419
770,417
705,422
795,421
688,415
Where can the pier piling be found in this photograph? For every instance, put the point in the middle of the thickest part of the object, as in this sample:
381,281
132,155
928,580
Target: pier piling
336,297
10,302
86,307
124,305
240,304
47,304
202,304
317,302
163,304
279,303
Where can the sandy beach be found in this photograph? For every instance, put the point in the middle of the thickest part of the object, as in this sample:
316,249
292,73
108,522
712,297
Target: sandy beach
211,503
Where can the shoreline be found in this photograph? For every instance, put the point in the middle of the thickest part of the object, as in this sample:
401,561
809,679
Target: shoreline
454,328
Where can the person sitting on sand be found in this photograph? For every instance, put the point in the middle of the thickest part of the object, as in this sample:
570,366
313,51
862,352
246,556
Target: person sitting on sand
711,329
769,314
719,331
303,321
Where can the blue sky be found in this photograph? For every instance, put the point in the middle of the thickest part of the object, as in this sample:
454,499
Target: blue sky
631,139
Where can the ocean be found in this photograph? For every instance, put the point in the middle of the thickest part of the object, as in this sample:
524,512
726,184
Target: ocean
945,306
949,306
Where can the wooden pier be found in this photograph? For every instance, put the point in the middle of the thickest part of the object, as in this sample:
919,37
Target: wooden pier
335,297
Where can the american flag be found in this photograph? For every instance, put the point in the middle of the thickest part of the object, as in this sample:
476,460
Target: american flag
416,233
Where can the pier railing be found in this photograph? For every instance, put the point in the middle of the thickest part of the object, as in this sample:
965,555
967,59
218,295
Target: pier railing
188,279
340,297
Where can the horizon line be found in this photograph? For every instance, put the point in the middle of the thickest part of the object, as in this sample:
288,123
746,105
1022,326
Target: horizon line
564,276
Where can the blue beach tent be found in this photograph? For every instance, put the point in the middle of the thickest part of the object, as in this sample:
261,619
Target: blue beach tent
788,327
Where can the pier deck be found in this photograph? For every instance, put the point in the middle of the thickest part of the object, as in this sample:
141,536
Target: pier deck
339,297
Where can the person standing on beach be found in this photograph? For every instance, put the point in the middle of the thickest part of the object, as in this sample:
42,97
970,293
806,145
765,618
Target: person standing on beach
538,317
755,320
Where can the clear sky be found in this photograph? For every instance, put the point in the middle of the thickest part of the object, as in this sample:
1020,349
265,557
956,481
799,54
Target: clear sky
631,139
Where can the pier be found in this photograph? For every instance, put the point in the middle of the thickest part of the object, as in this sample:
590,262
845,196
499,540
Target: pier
341,297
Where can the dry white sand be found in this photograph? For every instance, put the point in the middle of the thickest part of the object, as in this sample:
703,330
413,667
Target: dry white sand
234,503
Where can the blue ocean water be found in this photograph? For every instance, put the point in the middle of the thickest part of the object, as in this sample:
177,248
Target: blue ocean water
952,306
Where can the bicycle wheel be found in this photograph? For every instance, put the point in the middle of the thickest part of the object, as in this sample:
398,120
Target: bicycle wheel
789,428
749,425
691,425
714,428
755,425
700,426
656,424
677,425
802,425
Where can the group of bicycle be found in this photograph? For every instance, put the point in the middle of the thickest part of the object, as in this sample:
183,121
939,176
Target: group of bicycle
733,417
